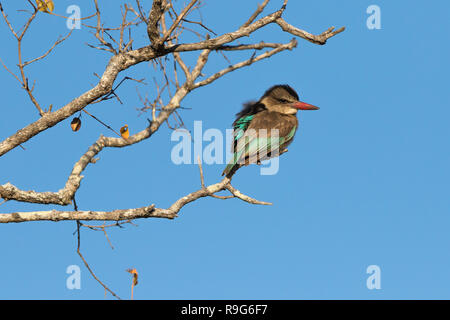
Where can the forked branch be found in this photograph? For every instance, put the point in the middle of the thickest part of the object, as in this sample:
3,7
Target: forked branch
166,41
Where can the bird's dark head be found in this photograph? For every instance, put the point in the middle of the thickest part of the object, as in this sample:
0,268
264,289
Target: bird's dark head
284,99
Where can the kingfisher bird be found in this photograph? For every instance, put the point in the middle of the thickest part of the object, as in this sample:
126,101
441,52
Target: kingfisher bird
263,129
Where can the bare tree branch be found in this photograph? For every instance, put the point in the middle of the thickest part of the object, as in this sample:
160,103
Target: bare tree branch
177,21
279,48
87,265
254,46
123,58
319,39
256,13
57,42
153,22
123,61
54,215
130,214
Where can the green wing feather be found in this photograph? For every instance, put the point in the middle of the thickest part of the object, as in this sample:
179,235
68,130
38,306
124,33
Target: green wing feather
240,125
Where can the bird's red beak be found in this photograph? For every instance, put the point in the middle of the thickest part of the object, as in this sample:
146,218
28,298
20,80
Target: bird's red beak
304,106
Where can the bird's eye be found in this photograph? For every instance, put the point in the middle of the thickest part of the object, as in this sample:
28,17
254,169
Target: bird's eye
283,100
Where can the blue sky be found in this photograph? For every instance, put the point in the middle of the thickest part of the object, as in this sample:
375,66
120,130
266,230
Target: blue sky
366,181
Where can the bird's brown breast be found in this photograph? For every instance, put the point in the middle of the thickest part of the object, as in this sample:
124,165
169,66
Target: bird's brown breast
274,120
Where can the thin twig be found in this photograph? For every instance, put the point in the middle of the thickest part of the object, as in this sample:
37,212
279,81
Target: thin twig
87,265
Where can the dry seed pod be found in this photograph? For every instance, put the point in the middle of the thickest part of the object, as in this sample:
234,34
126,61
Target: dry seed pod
125,133
75,124
45,5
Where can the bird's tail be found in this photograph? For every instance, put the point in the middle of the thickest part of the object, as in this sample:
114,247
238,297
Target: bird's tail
231,169
233,165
